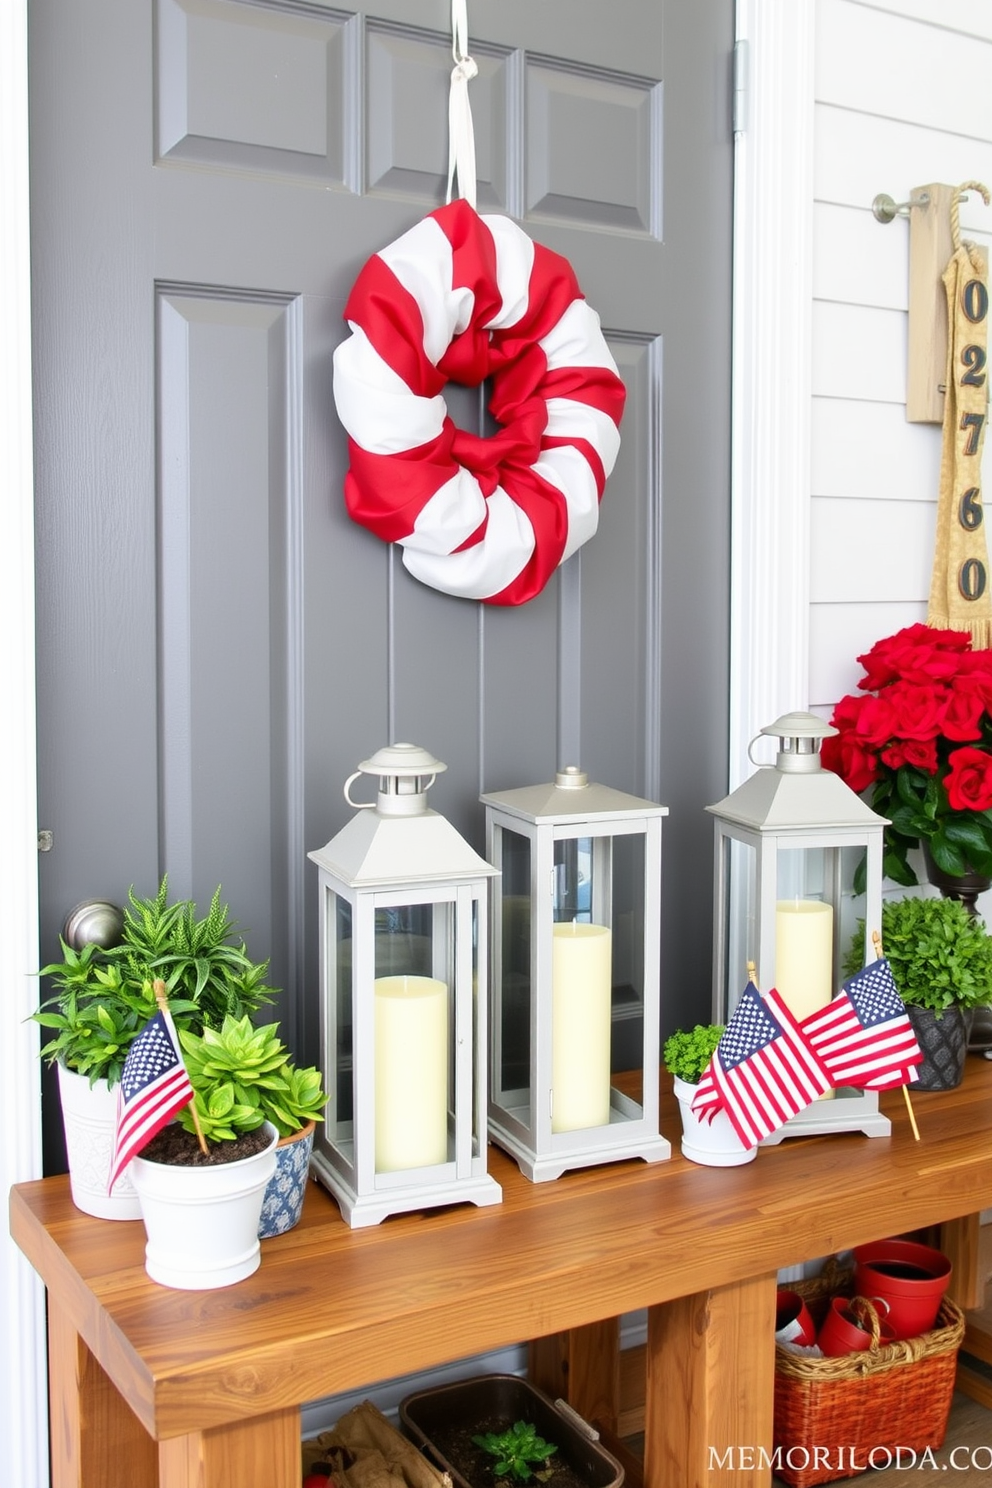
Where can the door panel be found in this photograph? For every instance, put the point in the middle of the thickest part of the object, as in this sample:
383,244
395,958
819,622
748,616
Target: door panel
218,644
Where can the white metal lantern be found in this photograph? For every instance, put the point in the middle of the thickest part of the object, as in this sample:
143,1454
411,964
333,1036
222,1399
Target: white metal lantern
575,964
403,1028
786,843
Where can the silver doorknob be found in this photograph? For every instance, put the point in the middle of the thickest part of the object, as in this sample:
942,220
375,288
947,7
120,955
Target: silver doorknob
94,920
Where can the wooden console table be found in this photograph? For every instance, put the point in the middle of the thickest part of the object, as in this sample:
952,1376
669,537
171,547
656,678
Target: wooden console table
202,1389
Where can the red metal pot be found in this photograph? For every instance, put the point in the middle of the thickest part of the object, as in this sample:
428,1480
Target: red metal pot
909,1277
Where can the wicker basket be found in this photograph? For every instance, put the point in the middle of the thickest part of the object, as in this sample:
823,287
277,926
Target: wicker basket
834,1418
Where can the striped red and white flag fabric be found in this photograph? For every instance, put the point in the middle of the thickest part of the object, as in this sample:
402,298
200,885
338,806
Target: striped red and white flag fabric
864,1036
154,1086
462,297
763,1071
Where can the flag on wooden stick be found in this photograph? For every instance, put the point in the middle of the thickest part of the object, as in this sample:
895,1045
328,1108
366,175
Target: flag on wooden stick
154,1086
864,1036
763,1071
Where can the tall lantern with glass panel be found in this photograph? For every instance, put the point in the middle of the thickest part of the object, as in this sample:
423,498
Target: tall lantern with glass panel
787,843
574,989
403,954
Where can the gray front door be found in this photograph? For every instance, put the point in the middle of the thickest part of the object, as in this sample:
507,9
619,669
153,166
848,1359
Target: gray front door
219,645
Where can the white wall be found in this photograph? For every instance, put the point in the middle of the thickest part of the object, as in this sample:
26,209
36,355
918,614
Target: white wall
903,97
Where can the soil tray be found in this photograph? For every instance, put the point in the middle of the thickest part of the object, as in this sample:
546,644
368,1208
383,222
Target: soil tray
443,1421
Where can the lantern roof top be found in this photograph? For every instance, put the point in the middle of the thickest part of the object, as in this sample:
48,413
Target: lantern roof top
773,800
376,851
569,796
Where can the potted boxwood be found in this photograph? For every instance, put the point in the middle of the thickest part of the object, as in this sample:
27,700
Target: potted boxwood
251,1069
685,1055
104,997
941,959
202,1209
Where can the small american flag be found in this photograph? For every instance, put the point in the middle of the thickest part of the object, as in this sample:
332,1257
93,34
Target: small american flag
154,1086
864,1036
762,1071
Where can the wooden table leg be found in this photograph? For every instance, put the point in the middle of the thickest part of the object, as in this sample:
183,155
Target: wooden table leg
959,1240
96,1439
263,1452
582,1367
710,1388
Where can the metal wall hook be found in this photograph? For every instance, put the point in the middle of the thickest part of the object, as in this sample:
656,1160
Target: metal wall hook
885,209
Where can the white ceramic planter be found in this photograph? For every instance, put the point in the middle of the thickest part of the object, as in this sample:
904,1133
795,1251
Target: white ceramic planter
202,1223
714,1143
89,1117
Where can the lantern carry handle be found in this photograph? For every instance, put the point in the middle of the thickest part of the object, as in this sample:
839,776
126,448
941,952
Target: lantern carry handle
370,805
359,805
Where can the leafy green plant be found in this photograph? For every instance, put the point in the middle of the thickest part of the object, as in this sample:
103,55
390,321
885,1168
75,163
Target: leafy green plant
242,1076
515,1449
104,994
688,1051
940,955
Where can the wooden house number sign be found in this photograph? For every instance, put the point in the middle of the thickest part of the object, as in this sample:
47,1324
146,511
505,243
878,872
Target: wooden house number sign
959,592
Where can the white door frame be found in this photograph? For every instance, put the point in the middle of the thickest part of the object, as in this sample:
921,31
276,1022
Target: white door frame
770,559
772,380
23,1412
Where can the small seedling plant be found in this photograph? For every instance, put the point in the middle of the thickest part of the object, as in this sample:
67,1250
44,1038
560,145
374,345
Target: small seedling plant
516,1449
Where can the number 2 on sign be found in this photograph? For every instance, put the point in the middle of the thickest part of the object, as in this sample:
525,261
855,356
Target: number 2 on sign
972,576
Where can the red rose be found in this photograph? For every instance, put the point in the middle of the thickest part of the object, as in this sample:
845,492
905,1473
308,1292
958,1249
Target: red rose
975,675
969,780
963,712
919,752
876,721
845,715
919,711
915,654
846,757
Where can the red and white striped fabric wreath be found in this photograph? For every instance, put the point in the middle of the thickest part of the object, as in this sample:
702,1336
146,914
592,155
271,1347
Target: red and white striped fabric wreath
462,297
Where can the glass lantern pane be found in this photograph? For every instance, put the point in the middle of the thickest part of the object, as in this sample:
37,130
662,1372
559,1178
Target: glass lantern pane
479,1138
512,1022
414,976
404,940
627,1043
339,1053
573,880
806,932
597,1011
736,924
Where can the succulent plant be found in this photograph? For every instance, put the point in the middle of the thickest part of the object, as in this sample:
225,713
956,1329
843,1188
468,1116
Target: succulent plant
243,1076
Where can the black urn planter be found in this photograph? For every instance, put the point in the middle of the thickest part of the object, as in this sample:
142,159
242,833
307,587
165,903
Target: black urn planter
964,886
967,888
944,1041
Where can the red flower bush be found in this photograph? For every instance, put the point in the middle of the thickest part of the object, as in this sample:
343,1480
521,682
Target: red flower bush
919,732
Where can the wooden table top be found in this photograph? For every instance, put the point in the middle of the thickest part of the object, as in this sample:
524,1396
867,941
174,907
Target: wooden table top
333,1309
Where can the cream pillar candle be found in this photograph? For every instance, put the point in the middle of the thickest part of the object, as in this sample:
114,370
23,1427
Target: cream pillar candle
411,1072
804,954
581,985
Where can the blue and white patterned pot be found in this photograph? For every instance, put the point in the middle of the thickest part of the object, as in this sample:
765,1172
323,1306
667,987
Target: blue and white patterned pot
283,1201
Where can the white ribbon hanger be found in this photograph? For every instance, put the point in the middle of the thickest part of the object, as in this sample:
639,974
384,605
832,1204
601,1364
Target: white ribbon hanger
461,135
